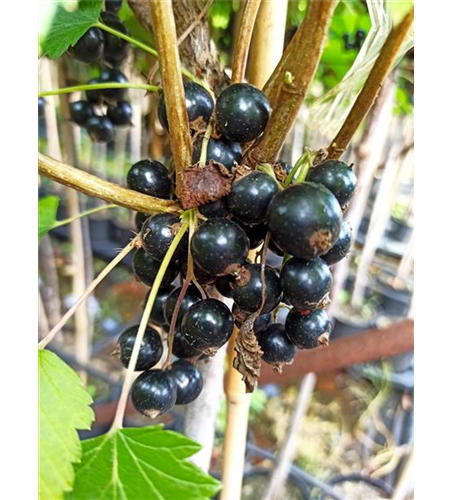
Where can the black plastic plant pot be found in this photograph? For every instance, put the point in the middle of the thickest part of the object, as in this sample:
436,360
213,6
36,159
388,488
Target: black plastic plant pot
398,230
344,327
120,234
393,302
376,486
99,229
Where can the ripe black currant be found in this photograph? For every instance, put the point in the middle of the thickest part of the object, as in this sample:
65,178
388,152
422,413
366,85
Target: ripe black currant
113,5
198,102
262,322
41,107
157,314
275,345
100,129
274,248
305,220
207,324
188,381
310,330
192,295
90,46
220,150
112,75
151,348
181,348
139,220
116,48
154,392
256,232
94,96
306,284
247,289
337,176
250,196
150,177
215,209
121,114
145,269
81,112
242,112
219,244
158,233
224,285
341,247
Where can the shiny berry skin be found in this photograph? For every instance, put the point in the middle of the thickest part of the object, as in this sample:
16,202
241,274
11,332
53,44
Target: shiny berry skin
207,324
158,233
215,209
192,295
150,177
94,96
80,112
139,220
273,247
113,5
262,322
112,75
198,103
275,345
224,285
145,269
307,331
305,220
151,348
220,150
188,381
250,196
154,392
341,247
218,244
337,176
90,46
116,48
121,114
100,129
305,283
242,112
247,289
157,314
256,232
182,349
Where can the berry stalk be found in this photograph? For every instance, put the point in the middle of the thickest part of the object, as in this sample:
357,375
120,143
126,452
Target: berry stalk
99,86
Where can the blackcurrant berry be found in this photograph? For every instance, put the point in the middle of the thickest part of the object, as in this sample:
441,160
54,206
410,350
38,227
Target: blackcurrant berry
192,295
337,176
207,324
150,177
100,129
256,232
306,283
250,196
116,48
145,269
275,345
215,209
181,348
41,107
224,285
220,150
188,381
154,392
81,112
113,5
310,330
90,46
262,322
219,244
305,220
157,314
121,114
157,234
198,103
151,348
341,247
273,247
139,220
112,75
247,289
242,112
94,96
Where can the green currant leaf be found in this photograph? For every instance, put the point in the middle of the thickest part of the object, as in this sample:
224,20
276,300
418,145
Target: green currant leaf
63,408
147,462
69,26
47,210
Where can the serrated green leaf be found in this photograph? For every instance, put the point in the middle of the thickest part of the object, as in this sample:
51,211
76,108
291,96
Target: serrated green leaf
63,408
133,464
69,26
47,210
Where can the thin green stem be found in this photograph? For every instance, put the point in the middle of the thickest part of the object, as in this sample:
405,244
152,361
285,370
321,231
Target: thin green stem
205,144
83,214
266,168
306,164
99,86
121,408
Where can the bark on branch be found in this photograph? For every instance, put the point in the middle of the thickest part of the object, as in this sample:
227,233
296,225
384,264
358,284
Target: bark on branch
372,87
100,188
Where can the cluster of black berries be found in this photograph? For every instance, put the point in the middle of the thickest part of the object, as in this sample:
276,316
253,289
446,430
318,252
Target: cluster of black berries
303,222
103,110
360,35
